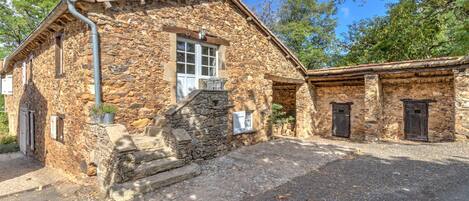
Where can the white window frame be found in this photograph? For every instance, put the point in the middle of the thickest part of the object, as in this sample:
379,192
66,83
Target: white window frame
24,70
247,116
7,85
59,52
198,58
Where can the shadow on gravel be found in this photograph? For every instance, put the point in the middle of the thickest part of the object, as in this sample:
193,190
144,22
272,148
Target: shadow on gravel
13,165
369,178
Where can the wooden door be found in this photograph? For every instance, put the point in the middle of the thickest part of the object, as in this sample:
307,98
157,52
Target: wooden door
416,120
341,119
32,134
24,133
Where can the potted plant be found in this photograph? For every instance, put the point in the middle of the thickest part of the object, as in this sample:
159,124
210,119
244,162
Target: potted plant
97,114
109,113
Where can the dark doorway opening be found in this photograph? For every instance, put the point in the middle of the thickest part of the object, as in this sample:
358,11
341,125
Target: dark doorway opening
284,109
341,119
416,119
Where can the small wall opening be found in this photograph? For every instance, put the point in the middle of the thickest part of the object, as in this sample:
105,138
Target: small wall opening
284,109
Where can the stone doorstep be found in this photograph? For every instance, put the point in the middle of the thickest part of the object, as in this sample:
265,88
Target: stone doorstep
151,155
130,190
154,167
155,131
147,142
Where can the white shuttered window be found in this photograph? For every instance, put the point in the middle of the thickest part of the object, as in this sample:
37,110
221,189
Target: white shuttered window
7,85
242,122
24,69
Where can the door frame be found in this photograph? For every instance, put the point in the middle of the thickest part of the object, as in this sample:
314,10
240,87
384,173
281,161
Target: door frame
23,128
426,102
198,64
349,105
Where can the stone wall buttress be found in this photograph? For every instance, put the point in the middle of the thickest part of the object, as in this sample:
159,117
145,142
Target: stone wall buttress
461,92
373,106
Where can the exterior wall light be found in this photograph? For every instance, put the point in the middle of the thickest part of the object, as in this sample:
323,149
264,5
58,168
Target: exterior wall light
202,33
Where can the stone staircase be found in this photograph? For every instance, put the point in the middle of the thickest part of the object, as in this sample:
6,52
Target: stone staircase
151,166
194,129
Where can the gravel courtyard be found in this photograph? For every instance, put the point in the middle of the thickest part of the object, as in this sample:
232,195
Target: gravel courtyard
252,170
384,171
317,170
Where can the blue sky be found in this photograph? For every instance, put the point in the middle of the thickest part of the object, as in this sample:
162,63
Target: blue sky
351,11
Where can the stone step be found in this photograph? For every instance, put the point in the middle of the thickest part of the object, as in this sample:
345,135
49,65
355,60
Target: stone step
154,167
152,154
143,142
155,131
130,190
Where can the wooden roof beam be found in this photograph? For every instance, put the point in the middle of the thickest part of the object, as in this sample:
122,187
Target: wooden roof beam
280,79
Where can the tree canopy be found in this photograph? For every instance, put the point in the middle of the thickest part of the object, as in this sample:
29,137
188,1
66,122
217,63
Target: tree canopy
307,27
412,29
18,18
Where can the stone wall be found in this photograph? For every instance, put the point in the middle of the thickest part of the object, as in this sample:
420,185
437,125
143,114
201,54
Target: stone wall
139,59
461,90
322,116
441,112
47,95
373,106
204,116
112,154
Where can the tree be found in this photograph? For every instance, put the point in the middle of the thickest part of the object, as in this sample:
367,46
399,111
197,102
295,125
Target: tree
18,18
307,27
266,12
412,29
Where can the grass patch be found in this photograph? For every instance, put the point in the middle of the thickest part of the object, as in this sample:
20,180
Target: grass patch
7,139
8,144
8,148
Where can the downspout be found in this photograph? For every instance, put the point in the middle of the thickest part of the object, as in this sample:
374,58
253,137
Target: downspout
96,56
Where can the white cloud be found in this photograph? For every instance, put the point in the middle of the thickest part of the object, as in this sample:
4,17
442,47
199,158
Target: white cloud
345,11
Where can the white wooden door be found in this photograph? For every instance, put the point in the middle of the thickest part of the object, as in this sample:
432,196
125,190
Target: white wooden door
32,134
195,61
23,131
186,83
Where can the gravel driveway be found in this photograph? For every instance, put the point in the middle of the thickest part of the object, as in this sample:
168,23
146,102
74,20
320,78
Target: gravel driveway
321,170
384,171
251,170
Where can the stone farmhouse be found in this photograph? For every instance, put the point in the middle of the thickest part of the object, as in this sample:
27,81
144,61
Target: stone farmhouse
193,79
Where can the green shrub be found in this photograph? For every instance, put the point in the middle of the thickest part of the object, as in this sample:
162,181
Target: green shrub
280,117
109,109
7,139
105,108
8,148
3,117
96,111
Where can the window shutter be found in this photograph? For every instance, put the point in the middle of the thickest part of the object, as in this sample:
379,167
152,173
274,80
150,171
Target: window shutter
31,130
60,129
239,122
24,71
4,86
7,85
53,127
248,121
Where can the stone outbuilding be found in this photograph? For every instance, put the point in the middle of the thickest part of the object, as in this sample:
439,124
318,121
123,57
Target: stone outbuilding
423,100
